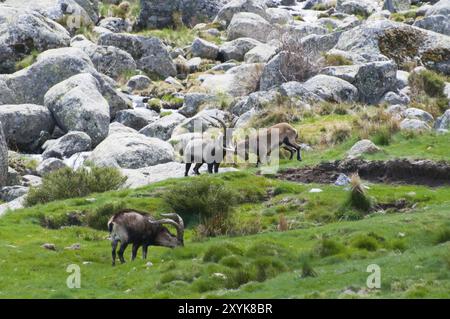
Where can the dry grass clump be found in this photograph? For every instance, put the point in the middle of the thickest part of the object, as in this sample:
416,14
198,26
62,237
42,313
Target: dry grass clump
337,134
378,127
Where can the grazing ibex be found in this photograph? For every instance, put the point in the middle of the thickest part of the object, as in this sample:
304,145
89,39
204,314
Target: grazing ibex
266,140
141,229
211,152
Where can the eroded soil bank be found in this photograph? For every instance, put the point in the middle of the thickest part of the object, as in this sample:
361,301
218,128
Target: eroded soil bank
398,171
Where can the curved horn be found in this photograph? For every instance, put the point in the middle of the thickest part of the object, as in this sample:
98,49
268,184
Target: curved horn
178,225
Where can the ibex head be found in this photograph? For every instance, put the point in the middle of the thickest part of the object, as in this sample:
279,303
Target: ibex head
164,237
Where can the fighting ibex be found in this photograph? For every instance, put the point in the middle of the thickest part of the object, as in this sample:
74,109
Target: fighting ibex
266,140
211,152
141,229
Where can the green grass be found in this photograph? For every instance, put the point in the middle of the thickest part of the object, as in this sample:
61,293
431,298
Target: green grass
409,247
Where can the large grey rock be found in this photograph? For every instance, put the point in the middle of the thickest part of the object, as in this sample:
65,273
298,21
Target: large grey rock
357,7
69,144
363,147
160,13
397,5
116,127
374,79
236,49
150,53
441,7
235,6
75,13
204,49
297,90
443,122
108,60
3,158
23,124
436,23
50,165
193,102
163,127
77,105
116,25
278,15
260,54
136,118
378,39
296,31
414,125
393,98
131,150
21,32
415,113
255,101
273,72
138,82
52,67
10,193
317,44
238,81
344,72
332,89
249,25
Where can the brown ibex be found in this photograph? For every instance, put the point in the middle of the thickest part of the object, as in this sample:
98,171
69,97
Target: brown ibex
141,229
262,143
211,152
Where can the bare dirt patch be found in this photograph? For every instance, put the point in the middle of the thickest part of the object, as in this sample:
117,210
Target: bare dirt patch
401,171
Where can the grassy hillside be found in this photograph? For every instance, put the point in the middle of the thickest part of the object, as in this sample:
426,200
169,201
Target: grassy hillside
411,247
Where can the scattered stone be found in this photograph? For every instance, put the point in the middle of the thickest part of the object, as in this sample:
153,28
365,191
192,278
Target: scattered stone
49,246
342,180
76,246
315,190
363,147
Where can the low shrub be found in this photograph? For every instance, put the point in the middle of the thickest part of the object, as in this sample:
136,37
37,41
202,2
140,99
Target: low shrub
443,235
267,267
99,217
206,200
427,81
367,242
328,247
306,266
67,183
